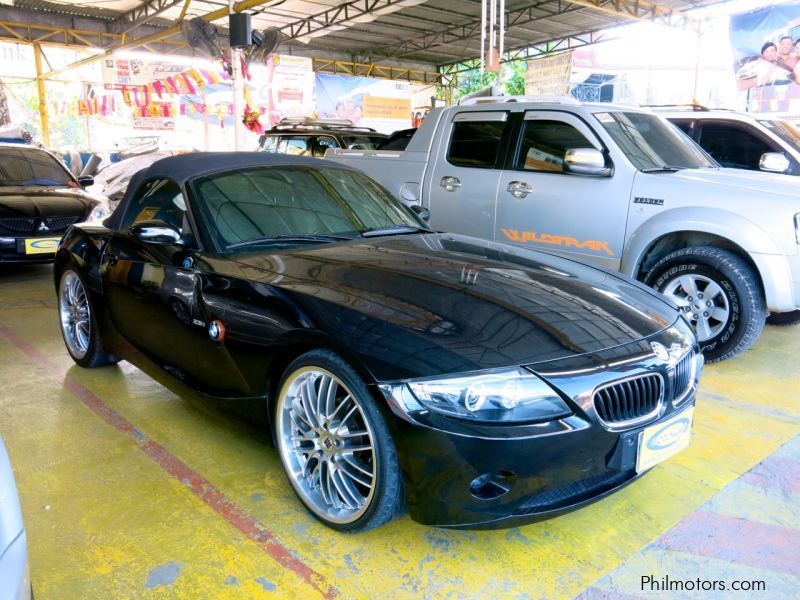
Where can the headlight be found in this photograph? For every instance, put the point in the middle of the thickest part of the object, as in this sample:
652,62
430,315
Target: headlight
98,212
506,396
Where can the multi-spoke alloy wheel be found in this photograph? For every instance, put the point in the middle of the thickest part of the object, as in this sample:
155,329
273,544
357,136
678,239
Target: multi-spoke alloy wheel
334,444
75,314
77,320
704,303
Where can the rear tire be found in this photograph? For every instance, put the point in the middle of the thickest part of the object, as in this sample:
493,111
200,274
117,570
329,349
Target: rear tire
335,446
718,292
784,319
78,322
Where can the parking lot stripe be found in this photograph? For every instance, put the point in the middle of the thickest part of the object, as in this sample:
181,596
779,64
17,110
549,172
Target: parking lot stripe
203,489
736,540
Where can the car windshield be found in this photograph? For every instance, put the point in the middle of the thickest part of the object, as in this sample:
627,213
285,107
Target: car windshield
651,143
29,166
785,130
296,204
362,142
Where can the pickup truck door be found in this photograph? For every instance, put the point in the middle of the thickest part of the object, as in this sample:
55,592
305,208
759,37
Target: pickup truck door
463,185
541,206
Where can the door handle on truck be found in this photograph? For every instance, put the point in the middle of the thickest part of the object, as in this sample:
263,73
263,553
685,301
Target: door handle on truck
519,189
451,184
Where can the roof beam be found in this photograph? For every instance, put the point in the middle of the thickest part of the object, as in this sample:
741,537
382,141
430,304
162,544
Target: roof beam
466,31
531,51
334,18
640,10
141,14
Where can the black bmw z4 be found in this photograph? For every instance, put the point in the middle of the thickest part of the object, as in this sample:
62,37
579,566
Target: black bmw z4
477,384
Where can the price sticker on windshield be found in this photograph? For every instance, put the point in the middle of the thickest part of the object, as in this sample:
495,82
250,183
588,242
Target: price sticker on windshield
604,117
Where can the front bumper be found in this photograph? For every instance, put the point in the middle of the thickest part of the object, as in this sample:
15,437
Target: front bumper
28,249
465,475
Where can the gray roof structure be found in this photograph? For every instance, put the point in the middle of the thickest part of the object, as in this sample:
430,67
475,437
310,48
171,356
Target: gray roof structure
414,32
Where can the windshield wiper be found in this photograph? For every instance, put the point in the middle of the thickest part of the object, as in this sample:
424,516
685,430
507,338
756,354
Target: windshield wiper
664,169
394,230
290,238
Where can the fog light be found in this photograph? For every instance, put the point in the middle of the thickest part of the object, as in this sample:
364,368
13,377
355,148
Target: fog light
491,486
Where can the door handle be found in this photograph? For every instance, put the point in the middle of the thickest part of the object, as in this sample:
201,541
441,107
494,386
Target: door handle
451,184
112,258
519,189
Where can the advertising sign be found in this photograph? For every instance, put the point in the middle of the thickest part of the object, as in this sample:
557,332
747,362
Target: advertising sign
766,50
378,103
120,73
549,75
284,87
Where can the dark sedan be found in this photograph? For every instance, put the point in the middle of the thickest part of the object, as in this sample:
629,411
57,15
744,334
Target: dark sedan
39,200
479,384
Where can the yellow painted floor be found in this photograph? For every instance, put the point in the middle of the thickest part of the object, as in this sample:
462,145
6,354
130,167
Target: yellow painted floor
109,516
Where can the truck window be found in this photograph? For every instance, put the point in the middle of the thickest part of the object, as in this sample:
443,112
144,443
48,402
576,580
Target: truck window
297,145
544,144
475,143
734,145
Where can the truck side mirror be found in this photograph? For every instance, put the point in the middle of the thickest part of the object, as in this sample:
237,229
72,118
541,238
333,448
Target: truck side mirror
774,162
422,212
586,161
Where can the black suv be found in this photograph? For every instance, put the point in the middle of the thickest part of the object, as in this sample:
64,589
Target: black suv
312,137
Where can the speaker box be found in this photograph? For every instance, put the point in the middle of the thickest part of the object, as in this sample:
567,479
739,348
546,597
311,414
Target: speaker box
241,33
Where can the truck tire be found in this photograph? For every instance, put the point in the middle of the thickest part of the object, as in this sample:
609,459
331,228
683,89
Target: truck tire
719,294
784,319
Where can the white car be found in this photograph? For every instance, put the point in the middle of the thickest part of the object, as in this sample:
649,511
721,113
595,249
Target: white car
757,142
15,583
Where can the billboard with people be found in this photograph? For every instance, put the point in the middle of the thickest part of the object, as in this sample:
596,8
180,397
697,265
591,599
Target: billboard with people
381,104
766,50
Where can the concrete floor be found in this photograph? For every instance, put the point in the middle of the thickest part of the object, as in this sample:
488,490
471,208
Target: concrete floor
131,490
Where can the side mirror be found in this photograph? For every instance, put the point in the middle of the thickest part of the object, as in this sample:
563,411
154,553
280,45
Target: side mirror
155,231
86,180
774,162
586,161
422,212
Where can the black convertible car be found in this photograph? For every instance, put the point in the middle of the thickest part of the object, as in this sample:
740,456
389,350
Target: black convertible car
479,384
39,200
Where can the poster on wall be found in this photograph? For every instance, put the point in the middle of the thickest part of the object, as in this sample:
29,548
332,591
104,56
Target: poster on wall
766,51
383,105
285,87
549,75
121,73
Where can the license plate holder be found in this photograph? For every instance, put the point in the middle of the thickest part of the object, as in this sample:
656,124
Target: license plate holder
46,245
663,440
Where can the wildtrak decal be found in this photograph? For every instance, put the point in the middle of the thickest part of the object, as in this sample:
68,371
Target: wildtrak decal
556,240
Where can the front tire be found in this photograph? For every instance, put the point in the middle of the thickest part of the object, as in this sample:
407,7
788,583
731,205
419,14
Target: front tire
718,292
78,322
335,446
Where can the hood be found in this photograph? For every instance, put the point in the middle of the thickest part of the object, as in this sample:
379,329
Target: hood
31,201
740,182
430,304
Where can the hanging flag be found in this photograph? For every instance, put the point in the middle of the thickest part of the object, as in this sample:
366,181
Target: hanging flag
126,95
187,81
158,87
195,76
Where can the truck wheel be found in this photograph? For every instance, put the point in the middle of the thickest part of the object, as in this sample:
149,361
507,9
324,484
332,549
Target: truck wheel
784,319
719,294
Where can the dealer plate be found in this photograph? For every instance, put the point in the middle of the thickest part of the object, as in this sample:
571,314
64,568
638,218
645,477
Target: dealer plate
663,440
47,245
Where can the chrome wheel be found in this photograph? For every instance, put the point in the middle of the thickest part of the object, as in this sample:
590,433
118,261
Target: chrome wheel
704,302
326,445
75,314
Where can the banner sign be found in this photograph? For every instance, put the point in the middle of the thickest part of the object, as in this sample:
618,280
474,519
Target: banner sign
766,51
549,75
378,103
284,87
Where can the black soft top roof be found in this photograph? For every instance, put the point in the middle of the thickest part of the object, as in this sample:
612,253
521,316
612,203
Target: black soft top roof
185,167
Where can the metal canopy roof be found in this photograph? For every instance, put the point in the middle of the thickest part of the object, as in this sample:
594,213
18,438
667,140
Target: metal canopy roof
434,32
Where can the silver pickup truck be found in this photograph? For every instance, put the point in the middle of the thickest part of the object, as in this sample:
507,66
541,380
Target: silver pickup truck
615,187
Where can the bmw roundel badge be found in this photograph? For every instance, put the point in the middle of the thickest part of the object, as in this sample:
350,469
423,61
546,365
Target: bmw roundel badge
659,350
216,331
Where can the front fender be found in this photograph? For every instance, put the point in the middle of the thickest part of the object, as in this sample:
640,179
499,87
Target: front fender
763,249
